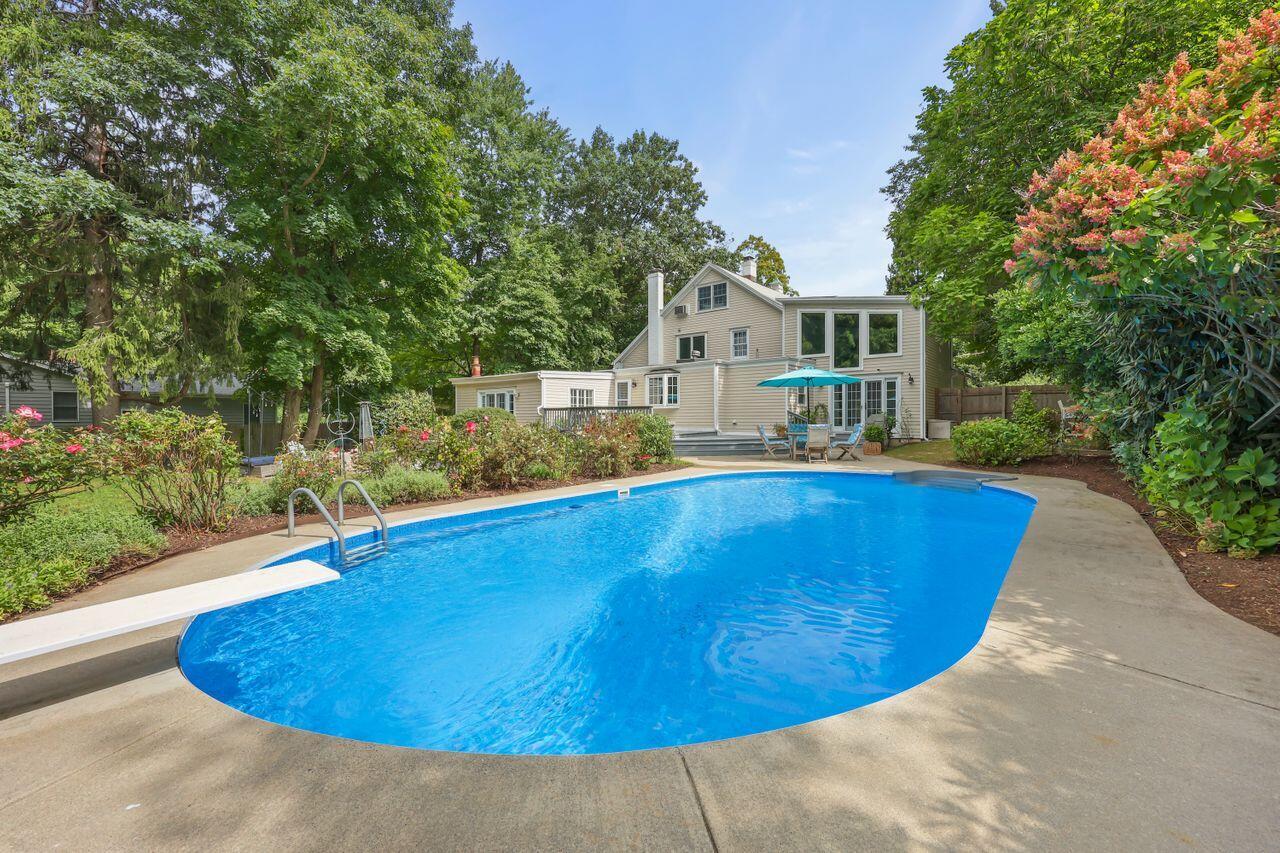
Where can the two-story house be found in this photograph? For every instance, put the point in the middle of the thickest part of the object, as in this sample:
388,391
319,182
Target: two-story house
702,355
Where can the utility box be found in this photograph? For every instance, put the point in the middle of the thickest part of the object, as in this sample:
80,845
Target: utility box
938,429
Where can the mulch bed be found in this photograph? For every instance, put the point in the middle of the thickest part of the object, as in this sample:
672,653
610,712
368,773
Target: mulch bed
1247,589
187,541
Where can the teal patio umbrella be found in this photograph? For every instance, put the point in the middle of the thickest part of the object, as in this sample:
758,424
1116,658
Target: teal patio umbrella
808,377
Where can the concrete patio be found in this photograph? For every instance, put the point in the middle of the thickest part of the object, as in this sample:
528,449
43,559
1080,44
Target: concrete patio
1106,707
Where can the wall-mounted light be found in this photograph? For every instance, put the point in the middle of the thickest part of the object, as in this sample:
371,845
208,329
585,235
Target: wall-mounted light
911,380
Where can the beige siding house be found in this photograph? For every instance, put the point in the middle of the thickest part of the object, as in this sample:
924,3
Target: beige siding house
700,360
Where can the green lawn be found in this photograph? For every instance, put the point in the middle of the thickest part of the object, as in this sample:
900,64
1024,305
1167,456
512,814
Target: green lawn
938,452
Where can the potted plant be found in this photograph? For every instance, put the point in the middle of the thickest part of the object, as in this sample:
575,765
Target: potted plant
780,430
873,440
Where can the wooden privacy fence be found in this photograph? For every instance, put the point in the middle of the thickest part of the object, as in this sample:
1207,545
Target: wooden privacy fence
974,404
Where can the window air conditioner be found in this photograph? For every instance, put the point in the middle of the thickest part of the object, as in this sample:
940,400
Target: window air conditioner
682,310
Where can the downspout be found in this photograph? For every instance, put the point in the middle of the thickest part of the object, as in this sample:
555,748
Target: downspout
715,397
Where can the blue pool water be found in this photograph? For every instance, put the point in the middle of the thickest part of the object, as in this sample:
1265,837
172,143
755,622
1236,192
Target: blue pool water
689,612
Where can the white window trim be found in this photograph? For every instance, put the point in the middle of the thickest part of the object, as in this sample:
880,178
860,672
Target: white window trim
826,325
867,353
481,392
746,330
861,388
619,386
588,392
53,406
697,297
666,388
691,335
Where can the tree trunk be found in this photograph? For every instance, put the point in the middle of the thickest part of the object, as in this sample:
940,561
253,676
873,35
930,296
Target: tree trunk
316,405
292,407
99,313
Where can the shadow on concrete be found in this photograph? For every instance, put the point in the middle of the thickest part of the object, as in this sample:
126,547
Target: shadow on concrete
50,686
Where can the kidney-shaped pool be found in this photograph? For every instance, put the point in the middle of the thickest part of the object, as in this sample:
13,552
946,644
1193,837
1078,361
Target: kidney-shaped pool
691,611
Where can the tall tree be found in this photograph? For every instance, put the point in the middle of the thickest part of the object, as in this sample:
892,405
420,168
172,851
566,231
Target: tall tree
1038,78
106,254
770,268
336,172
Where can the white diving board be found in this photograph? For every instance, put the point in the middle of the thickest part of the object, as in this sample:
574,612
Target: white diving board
41,634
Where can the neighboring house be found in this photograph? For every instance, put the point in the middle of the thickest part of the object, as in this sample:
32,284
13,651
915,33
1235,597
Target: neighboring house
701,356
52,391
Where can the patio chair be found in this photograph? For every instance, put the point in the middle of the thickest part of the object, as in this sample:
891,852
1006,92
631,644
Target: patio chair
845,446
772,444
818,443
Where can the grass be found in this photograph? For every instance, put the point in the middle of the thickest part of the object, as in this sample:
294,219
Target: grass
937,452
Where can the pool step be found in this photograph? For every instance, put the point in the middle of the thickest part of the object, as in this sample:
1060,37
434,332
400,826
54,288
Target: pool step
363,554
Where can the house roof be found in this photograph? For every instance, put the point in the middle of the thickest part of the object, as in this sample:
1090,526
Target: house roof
225,387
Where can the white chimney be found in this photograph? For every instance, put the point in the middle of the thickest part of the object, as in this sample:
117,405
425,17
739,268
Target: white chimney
747,269
656,297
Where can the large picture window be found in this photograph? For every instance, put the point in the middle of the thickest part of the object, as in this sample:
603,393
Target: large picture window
690,347
712,296
882,333
847,329
813,333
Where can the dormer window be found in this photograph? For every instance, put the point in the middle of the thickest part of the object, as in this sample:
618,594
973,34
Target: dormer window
713,296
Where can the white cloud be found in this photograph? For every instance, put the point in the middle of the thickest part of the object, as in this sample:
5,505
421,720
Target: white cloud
849,256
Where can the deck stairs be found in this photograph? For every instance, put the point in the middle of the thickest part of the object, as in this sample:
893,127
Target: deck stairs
713,444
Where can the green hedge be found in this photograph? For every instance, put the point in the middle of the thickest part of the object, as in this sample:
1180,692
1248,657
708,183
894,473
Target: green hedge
60,548
995,441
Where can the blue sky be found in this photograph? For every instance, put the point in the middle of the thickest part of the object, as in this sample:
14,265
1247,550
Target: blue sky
792,111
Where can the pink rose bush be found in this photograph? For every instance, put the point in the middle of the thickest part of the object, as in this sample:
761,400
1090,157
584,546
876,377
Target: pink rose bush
39,462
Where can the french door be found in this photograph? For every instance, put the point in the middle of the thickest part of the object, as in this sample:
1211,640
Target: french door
853,404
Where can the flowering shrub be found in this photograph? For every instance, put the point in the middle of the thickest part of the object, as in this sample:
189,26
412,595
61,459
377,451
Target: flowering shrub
175,467
482,416
608,448
316,470
512,454
1167,225
38,462
654,437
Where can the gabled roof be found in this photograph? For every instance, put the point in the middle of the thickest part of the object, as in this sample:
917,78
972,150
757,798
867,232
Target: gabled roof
225,387
754,288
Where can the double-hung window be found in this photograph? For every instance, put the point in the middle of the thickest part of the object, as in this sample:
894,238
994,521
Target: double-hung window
622,393
712,296
664,390
497,400
581,398
739,343
691,347
66,406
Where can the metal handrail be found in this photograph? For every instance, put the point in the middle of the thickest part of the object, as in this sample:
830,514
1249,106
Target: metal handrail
342,540
342,487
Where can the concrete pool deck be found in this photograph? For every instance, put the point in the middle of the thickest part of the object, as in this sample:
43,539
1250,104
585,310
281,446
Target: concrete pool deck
1106,706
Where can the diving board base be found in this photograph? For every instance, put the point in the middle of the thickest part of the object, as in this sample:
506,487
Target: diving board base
42,634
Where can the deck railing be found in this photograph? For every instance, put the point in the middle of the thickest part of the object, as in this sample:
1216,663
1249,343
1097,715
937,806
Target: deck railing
574,418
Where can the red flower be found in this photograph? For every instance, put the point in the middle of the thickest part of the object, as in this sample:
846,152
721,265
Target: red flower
28,413
471,427
425,435
402,428
74,448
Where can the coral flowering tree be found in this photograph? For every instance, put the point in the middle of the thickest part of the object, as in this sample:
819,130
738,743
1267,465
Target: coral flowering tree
1167,226
40,462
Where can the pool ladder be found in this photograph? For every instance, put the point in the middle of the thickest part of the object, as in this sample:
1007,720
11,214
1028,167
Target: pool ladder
348,557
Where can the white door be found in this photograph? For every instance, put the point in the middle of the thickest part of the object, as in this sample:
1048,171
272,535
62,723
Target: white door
852,404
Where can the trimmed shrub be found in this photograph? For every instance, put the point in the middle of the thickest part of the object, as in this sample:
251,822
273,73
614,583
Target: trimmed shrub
995,441
1042,422
56,551
399,485
412,409
175,467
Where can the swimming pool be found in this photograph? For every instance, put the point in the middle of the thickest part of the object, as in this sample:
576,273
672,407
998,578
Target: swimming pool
704,609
